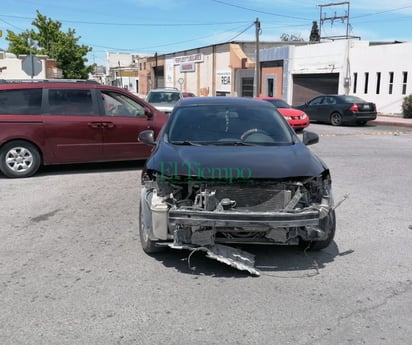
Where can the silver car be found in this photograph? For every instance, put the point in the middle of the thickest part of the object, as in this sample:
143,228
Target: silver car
164,99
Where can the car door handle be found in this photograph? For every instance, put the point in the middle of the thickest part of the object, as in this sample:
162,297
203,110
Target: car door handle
107,124
95,124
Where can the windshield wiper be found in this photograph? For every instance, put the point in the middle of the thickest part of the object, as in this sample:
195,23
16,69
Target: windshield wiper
185,142
232,143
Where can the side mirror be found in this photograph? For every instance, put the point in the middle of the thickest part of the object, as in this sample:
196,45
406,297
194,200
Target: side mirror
148,113
147,137
310,138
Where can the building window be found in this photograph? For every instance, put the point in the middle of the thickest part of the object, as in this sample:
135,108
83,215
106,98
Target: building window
378,83
390,83
270,86
366,82
404,82
355,82
247,87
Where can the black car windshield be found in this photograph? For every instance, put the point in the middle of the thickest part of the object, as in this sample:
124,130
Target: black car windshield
228,125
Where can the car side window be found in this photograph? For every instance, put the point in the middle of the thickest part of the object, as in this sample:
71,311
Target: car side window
117,104
316,101
70,102
21,101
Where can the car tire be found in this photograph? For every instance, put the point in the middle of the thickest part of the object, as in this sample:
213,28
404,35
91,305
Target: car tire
149,246
318,245
336,119
19,159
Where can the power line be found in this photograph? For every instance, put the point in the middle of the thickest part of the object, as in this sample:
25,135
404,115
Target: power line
12,25
258,11
133,24
248,27
169,44
381,12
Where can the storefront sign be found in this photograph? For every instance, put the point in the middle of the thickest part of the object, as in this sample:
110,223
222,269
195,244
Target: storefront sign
187,67
223,80
188,58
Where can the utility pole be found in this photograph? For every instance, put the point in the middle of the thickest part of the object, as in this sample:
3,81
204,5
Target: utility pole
343,9
155,72
256,79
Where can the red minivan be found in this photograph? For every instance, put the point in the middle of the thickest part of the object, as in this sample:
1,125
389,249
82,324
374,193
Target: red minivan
70,121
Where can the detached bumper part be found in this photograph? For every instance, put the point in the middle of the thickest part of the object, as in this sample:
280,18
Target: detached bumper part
230,256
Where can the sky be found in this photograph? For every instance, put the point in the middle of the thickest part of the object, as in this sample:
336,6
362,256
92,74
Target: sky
165,26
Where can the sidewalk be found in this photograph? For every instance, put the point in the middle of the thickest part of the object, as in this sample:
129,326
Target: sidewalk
392,120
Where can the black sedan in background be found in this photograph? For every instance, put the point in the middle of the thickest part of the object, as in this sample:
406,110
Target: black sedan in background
228,170
339,109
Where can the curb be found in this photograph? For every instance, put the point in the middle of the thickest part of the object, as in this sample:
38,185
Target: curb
400,122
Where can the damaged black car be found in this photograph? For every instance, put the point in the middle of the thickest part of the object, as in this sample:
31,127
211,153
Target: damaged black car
229,171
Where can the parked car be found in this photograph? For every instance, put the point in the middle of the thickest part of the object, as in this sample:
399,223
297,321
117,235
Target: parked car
297,119
188,94
164,99
339,109
61,122
230,170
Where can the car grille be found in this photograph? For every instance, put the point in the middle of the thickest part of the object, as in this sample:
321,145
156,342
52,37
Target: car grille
256,198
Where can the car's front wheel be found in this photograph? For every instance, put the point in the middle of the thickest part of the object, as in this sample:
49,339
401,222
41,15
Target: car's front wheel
330,221
19,159
336,119
148,245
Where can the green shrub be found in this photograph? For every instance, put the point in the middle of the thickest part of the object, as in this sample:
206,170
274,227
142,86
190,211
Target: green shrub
407,107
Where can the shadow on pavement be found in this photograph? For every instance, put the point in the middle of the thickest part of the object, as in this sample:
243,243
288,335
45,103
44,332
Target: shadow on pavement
87,168
276,261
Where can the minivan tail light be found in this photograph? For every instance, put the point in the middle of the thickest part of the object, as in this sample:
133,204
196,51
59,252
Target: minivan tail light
354,107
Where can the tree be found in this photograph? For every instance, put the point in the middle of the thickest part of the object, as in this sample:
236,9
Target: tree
291,37
314,33
50,40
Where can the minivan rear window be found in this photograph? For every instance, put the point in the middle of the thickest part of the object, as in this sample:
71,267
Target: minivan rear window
20,102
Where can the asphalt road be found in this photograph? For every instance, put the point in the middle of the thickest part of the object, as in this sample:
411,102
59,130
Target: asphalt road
72,270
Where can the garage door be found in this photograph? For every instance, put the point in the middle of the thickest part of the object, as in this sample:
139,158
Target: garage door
307,86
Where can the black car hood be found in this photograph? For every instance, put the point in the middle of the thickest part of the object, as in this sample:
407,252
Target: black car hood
263,162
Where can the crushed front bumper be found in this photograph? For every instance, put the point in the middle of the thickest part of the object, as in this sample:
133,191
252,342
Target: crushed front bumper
240,219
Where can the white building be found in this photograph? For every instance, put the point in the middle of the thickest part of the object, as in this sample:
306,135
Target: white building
11,67
122,70
215,70
377,72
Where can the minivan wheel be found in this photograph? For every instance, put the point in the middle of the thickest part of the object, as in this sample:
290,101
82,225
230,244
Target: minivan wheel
19,159
336,119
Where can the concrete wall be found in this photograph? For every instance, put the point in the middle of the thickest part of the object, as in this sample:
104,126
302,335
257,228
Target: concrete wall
11,68
282,75
384,59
